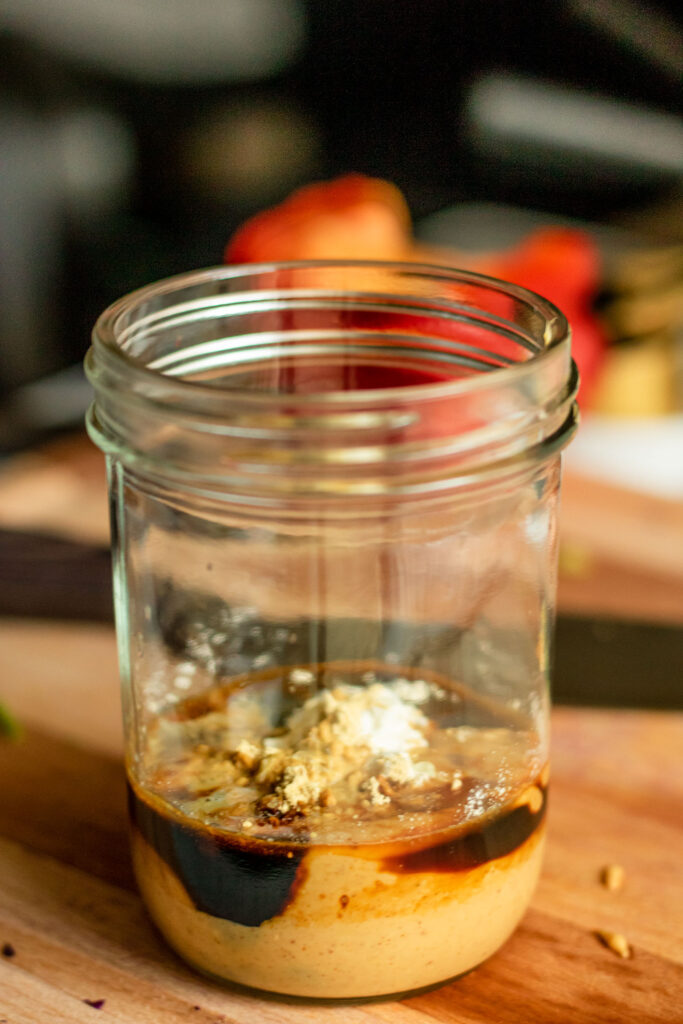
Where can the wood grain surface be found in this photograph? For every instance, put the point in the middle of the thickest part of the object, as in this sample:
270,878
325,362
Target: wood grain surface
77,929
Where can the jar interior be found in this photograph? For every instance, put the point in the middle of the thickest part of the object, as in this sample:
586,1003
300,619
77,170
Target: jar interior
327,349
317,340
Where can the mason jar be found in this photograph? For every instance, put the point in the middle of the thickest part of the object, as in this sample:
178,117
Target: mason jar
334,496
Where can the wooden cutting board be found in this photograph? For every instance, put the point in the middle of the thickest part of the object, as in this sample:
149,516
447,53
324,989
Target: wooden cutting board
76,929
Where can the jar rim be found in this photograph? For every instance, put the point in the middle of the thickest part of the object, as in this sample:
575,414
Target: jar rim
105,337
513,407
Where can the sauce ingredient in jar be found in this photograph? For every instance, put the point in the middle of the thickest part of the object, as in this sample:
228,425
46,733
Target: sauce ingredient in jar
333,804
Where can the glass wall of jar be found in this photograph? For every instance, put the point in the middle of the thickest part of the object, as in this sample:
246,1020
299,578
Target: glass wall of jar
334,494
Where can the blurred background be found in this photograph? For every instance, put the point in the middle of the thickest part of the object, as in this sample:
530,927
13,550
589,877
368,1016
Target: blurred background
137,135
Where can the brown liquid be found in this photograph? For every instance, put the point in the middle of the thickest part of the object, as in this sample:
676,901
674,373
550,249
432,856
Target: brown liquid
249,880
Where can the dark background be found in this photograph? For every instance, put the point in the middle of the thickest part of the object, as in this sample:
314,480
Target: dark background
115,178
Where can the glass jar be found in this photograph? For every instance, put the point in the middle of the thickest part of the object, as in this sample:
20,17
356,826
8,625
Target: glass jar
334,494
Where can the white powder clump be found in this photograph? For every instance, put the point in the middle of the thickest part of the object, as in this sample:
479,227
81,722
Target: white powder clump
338,735
247,753
374,790
401,770
416,691
371,717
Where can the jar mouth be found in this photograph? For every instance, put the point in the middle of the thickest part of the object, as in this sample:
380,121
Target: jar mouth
330,376
122,327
